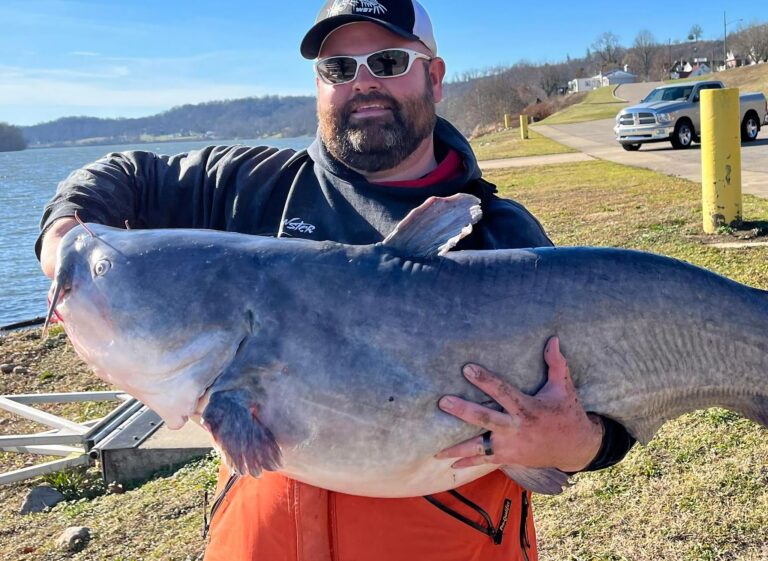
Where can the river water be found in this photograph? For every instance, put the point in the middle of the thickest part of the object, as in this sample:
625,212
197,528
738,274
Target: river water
28,180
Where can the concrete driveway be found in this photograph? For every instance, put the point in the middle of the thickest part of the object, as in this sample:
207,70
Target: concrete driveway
596,139
633,93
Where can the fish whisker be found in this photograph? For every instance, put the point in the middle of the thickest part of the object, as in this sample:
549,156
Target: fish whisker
52,307
80,221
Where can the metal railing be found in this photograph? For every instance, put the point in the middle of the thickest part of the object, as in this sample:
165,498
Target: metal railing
76,443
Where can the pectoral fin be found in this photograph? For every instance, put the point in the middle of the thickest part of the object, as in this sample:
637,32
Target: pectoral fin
436,226
247,446
545,481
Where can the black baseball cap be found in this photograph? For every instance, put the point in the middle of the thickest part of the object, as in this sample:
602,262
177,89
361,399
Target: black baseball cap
406,18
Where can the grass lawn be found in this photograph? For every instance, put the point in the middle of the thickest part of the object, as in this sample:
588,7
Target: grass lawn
508,144
599,104
698,492
753,78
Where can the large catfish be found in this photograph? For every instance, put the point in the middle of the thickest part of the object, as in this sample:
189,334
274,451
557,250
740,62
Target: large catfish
326,361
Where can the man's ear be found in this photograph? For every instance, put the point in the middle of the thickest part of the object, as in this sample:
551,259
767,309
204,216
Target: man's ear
436,75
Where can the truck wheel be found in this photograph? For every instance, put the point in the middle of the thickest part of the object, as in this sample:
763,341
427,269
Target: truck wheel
749,128
631,147
683,135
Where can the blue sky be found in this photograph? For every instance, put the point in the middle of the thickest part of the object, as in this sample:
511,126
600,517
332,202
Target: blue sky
133,58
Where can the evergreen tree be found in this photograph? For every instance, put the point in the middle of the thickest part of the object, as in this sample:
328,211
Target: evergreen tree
11,138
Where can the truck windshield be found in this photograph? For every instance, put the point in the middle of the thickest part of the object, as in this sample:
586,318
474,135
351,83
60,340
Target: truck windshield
669,94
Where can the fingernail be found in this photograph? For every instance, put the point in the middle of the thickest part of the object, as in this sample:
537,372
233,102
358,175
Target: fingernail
470,371
447,403
550,343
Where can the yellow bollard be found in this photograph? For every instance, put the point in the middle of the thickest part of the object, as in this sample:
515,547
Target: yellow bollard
506,120
524,127
720,159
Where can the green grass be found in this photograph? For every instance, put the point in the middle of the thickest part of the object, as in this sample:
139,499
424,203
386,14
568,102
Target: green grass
699,490
508,144
599,104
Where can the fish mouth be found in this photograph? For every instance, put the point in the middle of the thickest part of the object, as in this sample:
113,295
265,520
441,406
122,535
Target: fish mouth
59,291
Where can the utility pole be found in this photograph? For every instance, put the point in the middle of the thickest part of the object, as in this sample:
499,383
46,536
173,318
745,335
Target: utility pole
725,40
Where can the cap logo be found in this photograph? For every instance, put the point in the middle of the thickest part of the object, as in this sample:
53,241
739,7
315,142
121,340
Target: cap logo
369,6
339,6
358,7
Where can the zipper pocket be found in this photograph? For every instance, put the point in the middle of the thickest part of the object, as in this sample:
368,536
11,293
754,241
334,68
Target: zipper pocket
525,542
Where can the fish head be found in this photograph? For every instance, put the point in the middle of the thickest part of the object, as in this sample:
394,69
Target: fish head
146,314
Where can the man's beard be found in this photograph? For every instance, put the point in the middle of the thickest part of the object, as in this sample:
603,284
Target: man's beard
376,144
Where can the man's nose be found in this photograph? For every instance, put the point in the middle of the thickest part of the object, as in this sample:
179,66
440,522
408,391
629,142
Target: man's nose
365,81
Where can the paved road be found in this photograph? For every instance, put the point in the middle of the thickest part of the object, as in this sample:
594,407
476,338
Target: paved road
596,139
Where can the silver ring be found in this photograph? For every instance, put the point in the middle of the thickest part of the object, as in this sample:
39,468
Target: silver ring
487,448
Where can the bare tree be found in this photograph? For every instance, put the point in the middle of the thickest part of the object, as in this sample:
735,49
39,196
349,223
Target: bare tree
640,56
695,33
607,48
551,78
752,41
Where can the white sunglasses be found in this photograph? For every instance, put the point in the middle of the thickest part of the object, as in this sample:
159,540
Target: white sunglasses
388,63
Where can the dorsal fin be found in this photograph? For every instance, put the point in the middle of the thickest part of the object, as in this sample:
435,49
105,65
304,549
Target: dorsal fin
435,226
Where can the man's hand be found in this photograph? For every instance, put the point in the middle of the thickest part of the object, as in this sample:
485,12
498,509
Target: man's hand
547,430
51,241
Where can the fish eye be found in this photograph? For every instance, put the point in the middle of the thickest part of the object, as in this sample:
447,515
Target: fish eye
101,267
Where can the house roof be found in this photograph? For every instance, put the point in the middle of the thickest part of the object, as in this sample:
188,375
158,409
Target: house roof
620,73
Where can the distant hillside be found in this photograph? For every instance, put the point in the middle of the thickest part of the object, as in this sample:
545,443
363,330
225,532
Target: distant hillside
252,117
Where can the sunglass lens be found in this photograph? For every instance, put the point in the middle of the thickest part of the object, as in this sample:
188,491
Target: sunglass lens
388,63
338,69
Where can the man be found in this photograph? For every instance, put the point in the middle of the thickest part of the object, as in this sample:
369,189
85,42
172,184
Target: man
380,151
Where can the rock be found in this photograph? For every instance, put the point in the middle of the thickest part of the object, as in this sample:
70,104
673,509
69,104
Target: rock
41,498
74,538
115,488
21,370
7,368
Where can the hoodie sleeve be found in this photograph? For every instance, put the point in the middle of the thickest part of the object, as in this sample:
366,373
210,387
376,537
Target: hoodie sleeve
508,225
199,189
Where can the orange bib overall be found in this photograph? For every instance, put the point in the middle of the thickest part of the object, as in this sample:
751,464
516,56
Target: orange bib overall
274,518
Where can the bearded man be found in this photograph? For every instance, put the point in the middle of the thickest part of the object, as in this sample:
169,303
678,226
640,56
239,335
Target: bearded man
380,151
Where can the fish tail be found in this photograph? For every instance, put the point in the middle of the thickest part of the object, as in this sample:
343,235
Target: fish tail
545,481
757,410
247,446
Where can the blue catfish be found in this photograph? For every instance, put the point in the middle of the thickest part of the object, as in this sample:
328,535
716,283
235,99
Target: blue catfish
326,361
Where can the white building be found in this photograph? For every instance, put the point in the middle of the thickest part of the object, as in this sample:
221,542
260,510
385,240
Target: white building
584,84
